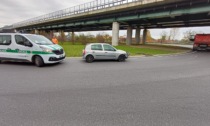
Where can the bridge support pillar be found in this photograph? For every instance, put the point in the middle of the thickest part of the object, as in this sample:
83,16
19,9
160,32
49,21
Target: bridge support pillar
115,33
36,31
138,32
129,36
145,36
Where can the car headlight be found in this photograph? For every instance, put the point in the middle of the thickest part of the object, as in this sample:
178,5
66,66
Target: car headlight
46,49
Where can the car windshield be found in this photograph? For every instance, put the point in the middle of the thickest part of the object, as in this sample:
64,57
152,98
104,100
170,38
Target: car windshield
40,40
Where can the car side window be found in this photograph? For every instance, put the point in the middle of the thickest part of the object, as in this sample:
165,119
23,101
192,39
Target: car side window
108,48
96,47
20,40
5,39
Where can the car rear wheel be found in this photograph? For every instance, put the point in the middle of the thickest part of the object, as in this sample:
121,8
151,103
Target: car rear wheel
39,61
121,58
89,59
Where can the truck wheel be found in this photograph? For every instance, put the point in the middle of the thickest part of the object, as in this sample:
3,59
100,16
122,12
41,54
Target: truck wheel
0,61
121,58
194,49
38,61
89,59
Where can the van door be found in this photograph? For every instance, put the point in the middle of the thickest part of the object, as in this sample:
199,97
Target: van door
5,46
21,48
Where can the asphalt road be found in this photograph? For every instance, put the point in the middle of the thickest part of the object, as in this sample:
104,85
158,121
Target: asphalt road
145,91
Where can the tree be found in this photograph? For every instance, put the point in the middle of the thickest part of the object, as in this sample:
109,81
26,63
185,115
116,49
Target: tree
149,36
174,32
163,35
82,38
107,38
62,37
100,38
187,35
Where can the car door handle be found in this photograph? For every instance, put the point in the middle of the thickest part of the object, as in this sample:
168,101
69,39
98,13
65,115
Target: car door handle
93,51
8,49
106,52
17,49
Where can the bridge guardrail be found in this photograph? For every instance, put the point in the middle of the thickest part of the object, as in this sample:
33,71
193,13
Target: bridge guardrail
83,8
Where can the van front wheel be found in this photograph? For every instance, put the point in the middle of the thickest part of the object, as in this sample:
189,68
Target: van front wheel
38,61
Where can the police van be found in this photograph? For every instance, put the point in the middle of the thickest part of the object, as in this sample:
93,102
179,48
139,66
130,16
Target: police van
29,48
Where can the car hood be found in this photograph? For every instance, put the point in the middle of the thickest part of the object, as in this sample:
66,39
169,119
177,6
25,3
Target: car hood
52,47
121,51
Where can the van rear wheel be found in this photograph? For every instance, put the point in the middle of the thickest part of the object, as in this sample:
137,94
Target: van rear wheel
39,61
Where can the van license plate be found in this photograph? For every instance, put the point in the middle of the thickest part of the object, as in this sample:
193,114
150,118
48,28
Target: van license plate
61,56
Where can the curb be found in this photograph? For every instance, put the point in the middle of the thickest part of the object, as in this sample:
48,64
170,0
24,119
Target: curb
139,56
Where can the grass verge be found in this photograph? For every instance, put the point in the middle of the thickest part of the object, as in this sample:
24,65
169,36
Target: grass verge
148,50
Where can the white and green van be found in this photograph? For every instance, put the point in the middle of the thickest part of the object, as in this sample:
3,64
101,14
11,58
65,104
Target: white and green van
29,48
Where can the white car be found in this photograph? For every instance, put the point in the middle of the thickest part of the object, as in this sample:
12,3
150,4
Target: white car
29,48
103,51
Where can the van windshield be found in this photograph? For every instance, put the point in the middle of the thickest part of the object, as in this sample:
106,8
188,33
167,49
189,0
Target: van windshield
40,40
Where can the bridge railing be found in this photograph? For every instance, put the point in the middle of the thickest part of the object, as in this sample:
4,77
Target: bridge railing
83,8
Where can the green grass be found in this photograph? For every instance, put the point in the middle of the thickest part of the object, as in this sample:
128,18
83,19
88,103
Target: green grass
76,49
73,50
134,50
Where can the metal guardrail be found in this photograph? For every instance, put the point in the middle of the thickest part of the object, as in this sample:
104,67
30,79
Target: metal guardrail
83,8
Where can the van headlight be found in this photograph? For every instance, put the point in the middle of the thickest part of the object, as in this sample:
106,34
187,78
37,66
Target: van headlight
46,49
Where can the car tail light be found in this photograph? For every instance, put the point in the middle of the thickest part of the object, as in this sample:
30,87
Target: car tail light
84,52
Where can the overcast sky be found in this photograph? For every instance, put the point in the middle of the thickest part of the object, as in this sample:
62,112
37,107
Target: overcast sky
15,11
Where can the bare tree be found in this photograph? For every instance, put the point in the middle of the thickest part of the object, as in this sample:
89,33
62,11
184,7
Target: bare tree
187,35
174,32
163,35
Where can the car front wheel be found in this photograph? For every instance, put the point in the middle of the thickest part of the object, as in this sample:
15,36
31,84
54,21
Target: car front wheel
121,58
39,61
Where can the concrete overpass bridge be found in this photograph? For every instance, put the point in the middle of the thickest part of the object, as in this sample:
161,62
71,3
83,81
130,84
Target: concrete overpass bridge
118,15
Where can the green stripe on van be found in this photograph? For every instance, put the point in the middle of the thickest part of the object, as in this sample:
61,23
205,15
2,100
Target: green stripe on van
24,51
40,52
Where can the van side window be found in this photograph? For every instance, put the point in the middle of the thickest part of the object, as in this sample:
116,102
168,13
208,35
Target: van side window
5,39
20,40
96,47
